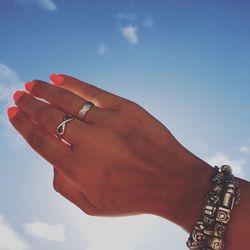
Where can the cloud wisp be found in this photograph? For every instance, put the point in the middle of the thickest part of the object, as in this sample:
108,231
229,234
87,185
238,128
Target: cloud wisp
219,159
131,17
102,49
45,231
48,5
245,149
148,23
9,239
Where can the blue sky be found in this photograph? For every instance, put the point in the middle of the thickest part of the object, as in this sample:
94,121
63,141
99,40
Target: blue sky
186,62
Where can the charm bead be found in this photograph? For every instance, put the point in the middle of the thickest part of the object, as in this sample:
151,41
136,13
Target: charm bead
219,230
209,232
216,243
223,215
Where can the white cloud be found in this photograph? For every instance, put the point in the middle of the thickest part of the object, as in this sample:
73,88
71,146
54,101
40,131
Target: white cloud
117,233
129,24
220,159
245,149
9,239
102,49
131,34
45,4
46,231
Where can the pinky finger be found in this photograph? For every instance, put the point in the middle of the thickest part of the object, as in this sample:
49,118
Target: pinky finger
47,145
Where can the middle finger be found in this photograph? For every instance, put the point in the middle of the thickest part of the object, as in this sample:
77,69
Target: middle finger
65,100
49,117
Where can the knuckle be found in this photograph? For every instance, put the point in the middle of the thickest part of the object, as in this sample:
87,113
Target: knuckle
128,105
92,91
134,110
44,115
36,140
64,97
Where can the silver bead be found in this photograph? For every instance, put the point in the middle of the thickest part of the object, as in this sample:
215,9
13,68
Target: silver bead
223,215
212,199
217,188
198,236
216,243
203,228
193,245
228,200
209,210
207,220
219,178
219,230
226,169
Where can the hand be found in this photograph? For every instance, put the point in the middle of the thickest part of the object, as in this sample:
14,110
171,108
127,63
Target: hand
120,160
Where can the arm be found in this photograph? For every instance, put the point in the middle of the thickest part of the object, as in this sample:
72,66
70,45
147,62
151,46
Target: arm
120,160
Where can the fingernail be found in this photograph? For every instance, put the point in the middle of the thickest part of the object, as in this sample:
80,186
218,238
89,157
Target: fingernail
29,86
56,79
17,95
12,111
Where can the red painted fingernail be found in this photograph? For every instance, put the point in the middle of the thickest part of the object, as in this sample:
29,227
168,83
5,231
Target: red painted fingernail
56,79
12,111
29,86
17,95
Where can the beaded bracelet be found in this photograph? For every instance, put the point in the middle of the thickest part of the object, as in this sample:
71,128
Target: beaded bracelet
209,232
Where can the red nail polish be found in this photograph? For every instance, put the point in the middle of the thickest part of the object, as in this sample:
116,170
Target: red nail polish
29,86
12,111
56,79
17,95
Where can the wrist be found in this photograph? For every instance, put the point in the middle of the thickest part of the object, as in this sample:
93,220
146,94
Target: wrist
197,185
184,196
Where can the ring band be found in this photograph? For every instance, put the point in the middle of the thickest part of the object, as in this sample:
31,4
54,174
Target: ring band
84,110
62,126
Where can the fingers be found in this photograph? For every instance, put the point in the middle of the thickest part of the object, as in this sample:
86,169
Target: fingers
49,117
47,145
70,191
64,100
87,91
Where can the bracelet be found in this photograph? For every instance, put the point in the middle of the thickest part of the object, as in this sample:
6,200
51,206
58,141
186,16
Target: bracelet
209,232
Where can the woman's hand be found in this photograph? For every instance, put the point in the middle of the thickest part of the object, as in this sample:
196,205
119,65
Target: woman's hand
118,161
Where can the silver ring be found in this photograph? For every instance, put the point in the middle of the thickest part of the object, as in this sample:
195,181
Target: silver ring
62,126
84,110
